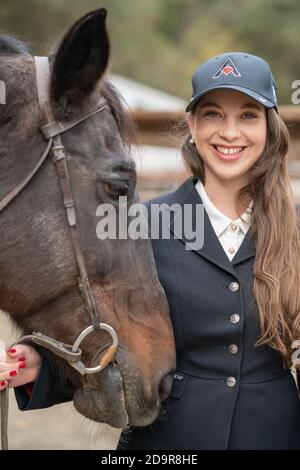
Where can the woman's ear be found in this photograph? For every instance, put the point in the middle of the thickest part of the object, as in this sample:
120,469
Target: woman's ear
191,123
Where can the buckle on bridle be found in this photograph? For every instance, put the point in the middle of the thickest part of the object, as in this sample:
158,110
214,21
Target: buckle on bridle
105,359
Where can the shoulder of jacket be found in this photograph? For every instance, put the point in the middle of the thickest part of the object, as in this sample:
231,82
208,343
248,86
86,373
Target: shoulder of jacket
178,195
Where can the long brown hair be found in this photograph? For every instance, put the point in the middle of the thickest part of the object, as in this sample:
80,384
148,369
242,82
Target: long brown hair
276,233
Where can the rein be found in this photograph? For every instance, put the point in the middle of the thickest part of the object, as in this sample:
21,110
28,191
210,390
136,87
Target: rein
52,131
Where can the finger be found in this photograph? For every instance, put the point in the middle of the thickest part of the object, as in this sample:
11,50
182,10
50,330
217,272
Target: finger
5,366
24,377
12,360
24,352
8,375
3,385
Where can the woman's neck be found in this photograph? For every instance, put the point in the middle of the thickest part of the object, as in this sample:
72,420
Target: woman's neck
223,194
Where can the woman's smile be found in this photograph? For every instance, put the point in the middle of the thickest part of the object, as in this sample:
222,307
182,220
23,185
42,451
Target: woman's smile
228,153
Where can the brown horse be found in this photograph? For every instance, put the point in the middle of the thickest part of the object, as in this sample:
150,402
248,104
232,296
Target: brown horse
38,270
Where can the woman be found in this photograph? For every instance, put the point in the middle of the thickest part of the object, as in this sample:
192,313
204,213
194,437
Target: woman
235,302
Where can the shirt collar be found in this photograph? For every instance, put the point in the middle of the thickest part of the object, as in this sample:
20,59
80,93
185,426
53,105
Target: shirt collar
220,221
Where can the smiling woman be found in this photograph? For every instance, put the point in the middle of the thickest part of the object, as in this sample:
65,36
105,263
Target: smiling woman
235,302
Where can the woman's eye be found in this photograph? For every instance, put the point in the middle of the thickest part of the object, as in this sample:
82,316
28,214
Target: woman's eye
248,116
211,114
117,188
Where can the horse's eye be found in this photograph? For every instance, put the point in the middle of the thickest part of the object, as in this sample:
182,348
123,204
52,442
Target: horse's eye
117,188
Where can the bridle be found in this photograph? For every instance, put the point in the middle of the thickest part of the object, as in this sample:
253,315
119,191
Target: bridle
52,131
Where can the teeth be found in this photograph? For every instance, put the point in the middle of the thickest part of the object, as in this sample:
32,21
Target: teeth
229,151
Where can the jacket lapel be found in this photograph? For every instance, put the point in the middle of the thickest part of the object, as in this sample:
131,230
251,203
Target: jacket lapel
245,251
212,249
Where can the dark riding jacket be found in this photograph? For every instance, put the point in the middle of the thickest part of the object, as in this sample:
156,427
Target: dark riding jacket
227,393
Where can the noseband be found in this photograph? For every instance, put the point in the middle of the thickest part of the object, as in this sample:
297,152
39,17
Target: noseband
52,131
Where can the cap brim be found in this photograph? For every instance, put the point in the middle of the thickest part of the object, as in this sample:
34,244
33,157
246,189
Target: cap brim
246,91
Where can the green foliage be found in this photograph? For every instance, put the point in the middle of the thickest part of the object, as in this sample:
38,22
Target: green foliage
161,42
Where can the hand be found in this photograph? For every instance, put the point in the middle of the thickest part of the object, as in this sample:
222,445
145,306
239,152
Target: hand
18,366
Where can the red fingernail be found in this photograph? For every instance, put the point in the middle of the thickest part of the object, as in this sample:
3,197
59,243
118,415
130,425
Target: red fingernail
12,350
13,373
3,383
22,358
22,365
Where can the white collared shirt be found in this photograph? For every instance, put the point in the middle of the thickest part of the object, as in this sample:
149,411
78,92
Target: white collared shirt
230,233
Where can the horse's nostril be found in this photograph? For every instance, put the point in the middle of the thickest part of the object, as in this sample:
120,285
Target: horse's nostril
165,386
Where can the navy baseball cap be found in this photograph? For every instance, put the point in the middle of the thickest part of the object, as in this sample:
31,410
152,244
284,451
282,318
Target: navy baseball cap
239,71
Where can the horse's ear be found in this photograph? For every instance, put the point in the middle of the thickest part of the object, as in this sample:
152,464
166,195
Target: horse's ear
81,59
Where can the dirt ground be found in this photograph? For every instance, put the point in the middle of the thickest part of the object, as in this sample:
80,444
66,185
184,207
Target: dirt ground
55,428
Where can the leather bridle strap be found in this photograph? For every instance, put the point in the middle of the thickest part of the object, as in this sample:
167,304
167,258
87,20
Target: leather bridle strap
59,157
52,130
4,418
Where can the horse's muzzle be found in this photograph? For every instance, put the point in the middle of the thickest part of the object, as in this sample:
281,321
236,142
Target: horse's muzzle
103,401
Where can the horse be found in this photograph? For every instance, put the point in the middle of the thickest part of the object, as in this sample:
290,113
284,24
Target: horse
39,267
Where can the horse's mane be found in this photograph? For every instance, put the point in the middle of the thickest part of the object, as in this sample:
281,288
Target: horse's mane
118,108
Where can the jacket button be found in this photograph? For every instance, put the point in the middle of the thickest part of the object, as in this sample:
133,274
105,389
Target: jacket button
231,382
233,349
235,318
233,286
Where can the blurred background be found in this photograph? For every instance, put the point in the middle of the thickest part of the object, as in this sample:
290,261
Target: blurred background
161,42
155,47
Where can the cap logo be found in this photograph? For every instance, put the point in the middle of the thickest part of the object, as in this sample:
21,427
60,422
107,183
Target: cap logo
227,68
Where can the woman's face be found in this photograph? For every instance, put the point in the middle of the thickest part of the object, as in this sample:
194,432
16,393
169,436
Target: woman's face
229,130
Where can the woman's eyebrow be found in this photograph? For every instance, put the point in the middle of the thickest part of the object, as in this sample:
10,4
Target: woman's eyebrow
210,103
250,105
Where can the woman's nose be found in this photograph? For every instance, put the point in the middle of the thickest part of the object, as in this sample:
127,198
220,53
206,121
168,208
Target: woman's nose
230,130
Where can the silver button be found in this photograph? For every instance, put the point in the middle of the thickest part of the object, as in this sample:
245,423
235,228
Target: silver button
231,250
233,286
231,381
235,318
233,226
233,349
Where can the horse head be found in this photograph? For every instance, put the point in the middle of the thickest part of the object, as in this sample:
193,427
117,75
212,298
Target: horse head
38,268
